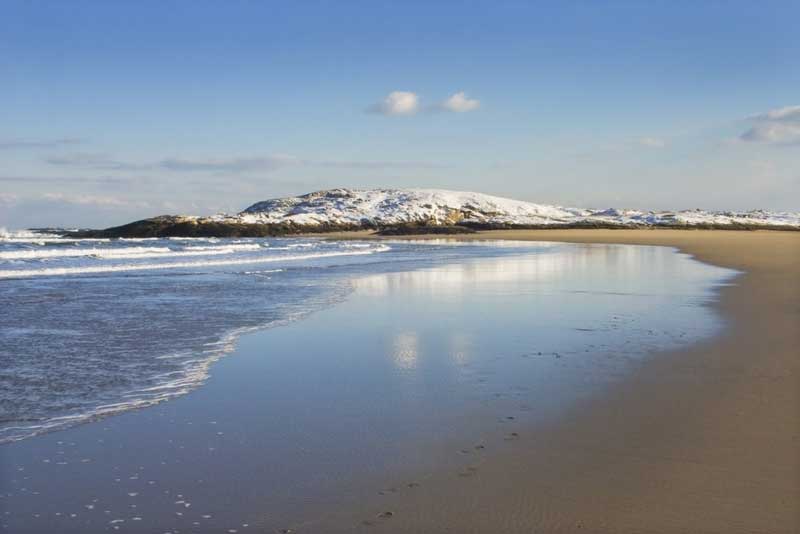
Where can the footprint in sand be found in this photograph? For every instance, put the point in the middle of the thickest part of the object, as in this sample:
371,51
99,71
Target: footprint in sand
390,491
512,436
468,472
383,516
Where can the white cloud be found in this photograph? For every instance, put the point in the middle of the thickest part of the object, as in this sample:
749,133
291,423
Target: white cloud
652,142
397,103
775,127
460,103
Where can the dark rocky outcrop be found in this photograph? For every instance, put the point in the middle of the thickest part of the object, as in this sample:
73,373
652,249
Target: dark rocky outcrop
177,226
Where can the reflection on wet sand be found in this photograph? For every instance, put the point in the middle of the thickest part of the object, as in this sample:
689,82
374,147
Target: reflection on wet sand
404,352
430,369
554,265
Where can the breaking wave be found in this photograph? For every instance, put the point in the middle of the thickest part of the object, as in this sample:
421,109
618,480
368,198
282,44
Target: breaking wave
125,267
128,252
93,347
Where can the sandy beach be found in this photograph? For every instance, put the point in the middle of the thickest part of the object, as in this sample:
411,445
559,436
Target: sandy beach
697,440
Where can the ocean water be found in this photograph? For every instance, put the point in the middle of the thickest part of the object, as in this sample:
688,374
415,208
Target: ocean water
94,327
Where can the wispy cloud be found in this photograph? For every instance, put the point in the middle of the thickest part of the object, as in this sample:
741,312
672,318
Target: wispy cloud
222,165
231,165
20,143
774,133
70,179
234,165
397,103
459,103
344,164
775,127
788,113
94,161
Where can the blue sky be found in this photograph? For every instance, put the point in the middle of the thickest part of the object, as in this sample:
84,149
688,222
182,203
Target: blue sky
111,111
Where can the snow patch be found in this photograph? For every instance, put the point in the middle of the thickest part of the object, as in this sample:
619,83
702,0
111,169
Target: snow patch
441,207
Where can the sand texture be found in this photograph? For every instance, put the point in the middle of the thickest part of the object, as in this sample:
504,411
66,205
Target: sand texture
701,440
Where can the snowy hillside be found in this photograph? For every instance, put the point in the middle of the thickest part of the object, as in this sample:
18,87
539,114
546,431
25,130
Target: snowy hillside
440,207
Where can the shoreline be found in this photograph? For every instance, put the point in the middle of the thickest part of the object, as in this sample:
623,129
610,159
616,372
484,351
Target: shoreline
702,439
289,437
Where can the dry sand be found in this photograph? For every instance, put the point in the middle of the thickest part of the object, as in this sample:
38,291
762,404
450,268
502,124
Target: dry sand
703,440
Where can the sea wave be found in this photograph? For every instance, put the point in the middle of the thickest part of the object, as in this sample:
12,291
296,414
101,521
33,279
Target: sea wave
193,373
111,268
128,252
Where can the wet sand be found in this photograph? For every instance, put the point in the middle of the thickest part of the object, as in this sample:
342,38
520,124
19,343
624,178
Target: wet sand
413,387
703,439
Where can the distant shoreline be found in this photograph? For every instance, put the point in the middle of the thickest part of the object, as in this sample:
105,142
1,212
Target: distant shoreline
170,226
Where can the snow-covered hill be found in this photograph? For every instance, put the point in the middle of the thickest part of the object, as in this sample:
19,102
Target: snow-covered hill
440,207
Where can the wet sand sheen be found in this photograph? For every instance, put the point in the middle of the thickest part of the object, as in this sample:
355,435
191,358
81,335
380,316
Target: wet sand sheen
362,406
702,439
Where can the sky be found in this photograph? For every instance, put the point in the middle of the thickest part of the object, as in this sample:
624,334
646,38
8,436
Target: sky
114,111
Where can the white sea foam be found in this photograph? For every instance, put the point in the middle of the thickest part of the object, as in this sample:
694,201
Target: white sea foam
264,272
6,234
45,239
32,254
232,246
194,372
128,252
96,269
